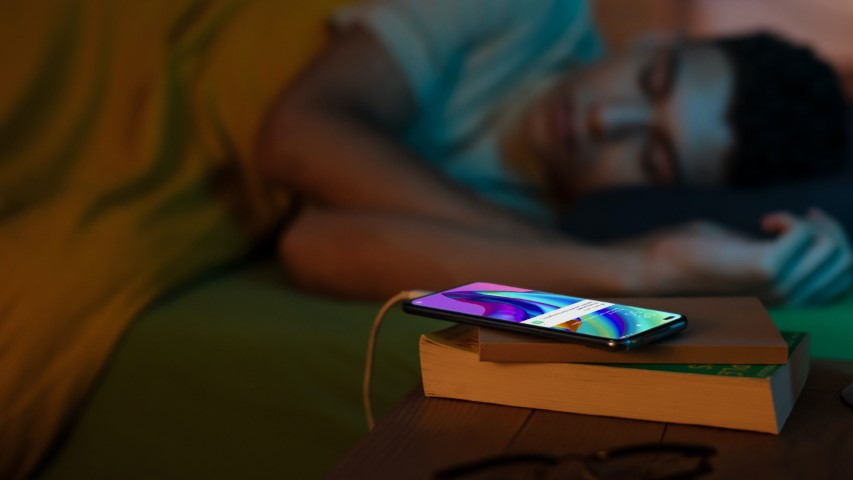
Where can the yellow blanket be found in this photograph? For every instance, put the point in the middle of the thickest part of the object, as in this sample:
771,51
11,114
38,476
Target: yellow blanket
126,130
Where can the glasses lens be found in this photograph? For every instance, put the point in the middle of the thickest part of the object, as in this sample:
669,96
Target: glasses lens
658,465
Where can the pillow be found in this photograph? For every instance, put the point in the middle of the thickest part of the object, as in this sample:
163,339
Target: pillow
619,213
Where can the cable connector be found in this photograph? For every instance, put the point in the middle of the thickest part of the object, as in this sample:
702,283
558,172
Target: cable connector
413,294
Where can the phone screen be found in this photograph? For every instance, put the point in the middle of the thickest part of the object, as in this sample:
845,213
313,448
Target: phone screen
549,310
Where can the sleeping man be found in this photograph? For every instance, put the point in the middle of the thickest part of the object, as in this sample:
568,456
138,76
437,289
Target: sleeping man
437,142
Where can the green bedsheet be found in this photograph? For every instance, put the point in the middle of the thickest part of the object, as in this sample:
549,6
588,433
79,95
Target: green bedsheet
241,376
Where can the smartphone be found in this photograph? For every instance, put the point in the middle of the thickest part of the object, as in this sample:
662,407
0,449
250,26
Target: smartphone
589,322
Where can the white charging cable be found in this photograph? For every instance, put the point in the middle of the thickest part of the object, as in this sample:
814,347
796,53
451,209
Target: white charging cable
371,348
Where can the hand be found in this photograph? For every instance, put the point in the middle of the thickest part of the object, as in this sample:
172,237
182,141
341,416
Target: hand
811,259
808,262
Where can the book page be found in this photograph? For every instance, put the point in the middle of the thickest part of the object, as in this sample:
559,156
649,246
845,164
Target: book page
460,337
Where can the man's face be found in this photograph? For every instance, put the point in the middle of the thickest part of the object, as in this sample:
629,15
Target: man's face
651,116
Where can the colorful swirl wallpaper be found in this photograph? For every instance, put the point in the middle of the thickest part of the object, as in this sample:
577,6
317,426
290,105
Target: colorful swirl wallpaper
510,304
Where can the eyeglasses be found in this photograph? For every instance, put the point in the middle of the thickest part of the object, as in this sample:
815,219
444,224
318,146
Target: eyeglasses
663,461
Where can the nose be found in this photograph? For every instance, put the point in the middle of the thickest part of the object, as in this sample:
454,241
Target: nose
613,119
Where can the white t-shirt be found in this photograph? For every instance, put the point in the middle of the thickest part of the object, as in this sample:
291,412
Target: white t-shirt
470,65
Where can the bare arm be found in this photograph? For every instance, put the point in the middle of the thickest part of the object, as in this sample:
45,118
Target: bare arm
369,254
330,137
373,254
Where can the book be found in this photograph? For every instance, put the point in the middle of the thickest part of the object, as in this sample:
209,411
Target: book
734,330
745,397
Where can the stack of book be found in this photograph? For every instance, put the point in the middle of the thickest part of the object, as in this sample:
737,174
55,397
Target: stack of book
731,368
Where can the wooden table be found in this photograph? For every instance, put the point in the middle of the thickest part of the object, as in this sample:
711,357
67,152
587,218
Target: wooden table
422,435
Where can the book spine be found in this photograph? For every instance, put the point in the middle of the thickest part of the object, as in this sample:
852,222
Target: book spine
787,384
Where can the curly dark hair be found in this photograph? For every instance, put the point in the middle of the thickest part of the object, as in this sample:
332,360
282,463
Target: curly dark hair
788,113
